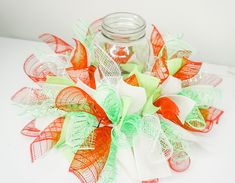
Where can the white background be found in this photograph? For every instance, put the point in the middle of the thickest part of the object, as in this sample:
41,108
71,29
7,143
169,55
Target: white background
208,25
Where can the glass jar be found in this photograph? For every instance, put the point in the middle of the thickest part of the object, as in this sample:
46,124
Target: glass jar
123,37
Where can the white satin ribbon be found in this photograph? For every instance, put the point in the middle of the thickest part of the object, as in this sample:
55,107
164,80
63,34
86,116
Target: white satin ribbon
171,86
184,104
137,96
126,166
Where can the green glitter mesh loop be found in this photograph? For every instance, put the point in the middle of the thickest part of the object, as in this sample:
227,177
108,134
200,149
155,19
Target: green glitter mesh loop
130,127
110,101
151,126
78,128
196,120
175,43
81,130
109,172
202,95
174,137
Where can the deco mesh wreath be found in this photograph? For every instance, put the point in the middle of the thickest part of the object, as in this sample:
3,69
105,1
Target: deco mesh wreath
100,113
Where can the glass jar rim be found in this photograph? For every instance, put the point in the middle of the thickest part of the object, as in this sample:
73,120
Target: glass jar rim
123,24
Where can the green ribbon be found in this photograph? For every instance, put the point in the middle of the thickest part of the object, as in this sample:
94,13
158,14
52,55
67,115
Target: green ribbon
174,65
59,80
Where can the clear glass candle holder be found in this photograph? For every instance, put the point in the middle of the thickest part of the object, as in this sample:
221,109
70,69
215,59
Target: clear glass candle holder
123,37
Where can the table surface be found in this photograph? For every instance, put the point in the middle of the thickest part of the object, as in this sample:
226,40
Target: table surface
212,162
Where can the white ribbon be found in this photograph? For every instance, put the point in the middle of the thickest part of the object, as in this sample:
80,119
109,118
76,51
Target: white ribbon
184,104
171,86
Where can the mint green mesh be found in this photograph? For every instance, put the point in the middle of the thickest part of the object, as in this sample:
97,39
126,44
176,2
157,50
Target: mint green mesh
196,120
80,130
175,138
110,101
150,125
109,172
202,95
77,129
130,127
175,43
45,109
